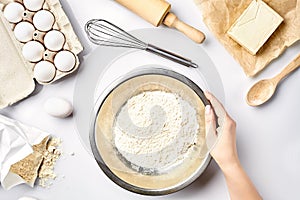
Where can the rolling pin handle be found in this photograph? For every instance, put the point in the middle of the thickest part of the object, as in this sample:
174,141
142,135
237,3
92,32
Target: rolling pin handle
172,21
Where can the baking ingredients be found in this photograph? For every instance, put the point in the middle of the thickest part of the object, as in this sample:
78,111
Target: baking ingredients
27,198
58,107
40,164
33,5
21,147
33,51
44,71
24,31
13,12
154,130
22,45
219,17
28,167
54,40
26,154
46,171
64,61
254,27
43,20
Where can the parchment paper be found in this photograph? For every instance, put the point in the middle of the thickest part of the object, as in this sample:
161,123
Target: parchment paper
16,143
219,15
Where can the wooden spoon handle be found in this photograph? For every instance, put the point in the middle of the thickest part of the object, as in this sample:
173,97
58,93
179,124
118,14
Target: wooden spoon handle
288,69
173,22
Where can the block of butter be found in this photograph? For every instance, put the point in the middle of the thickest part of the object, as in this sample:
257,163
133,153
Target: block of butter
254,27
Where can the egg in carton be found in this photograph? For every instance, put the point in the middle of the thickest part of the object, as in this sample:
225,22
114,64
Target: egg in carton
37,42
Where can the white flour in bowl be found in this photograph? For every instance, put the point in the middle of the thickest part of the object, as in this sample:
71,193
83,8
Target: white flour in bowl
154,130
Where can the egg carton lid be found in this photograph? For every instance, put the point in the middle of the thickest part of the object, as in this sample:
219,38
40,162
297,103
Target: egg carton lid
16,73
16,81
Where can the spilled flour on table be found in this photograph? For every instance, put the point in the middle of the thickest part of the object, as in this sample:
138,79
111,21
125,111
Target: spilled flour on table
154,131
40,164
51,155
28,168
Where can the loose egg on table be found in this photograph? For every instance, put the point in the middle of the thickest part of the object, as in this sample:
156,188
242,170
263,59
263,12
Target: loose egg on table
64,61
27,198
44,71
43,20
24,31
54,40
13,12
58,107
33,5
33,51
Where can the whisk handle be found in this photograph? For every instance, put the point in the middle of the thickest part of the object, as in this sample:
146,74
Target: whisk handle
171,56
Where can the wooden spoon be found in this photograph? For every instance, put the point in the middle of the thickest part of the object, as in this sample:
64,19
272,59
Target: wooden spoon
263,90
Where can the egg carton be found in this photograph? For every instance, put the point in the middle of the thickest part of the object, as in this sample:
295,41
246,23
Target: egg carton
34,46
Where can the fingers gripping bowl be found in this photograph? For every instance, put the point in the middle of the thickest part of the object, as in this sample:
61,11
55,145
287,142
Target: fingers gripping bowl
163,149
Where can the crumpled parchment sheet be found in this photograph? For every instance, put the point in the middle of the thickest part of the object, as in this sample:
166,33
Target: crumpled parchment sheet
219,15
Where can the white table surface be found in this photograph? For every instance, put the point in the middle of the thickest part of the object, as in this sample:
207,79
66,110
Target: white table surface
268,137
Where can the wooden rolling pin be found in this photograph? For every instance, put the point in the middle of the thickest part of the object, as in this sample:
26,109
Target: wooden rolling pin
157,12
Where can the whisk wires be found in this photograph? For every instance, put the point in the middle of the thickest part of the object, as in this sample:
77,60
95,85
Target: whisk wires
102,32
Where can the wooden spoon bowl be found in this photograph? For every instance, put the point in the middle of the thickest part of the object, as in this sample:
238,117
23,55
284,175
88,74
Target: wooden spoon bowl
263,90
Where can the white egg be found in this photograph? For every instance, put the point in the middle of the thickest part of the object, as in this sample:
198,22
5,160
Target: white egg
43,20
27,198
44,71
13,12
54,40
64,61
24,31
33,51
33,5
58,107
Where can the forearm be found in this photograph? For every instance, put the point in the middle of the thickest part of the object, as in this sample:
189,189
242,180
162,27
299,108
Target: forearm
239,184
225,153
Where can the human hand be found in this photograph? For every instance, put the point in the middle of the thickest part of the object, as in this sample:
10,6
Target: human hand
224,152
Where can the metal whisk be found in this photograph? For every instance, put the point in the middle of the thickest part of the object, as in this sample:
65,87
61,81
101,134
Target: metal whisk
102,32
